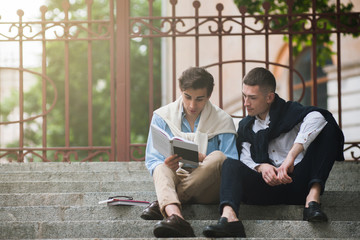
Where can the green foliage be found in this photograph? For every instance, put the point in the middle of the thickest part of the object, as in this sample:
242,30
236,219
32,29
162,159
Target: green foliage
301,41
139,74
78,84
8,105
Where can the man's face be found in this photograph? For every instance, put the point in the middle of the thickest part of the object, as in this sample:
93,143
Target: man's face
194,101
256,102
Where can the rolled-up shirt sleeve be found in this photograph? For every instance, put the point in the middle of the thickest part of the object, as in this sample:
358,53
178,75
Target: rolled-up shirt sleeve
227,145
152,156
310,128
245,156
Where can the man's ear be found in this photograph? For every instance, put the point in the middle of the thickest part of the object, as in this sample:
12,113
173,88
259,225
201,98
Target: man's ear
270,97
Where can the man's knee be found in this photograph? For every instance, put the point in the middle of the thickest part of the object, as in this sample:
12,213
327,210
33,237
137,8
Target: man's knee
162,171
236,169
214,160
232,164
160,168
217,156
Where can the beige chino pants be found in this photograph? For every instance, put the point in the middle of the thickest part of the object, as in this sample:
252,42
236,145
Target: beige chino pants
198,185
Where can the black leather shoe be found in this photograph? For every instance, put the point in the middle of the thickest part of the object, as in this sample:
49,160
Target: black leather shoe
225,229
314,214
173,226
152,212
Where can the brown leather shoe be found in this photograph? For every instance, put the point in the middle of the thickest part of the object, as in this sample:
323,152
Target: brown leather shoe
173,226
152,212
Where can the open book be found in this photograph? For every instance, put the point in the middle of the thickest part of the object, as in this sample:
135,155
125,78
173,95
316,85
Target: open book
168,146
125,201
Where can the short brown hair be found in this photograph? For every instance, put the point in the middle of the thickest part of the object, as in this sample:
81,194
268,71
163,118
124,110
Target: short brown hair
261,77
196,78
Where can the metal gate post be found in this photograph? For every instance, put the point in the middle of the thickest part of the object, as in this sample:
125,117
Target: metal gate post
122,81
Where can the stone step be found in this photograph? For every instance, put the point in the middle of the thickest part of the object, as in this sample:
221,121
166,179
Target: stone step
202,238
73,166
68,198
198,238
339,167
134,171
339,206
80,176
329,198
193,212
63,187
351,176
60,200
143,229
342,184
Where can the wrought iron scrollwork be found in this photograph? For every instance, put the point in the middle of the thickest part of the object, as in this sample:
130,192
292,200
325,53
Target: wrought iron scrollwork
356,146
137,152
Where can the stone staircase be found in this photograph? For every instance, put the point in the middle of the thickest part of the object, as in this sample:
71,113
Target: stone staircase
60,201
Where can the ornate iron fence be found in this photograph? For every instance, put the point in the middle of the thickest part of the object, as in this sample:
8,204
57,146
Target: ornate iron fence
65,31
120,29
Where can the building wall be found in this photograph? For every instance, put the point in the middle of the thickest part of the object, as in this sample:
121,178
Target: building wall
232,74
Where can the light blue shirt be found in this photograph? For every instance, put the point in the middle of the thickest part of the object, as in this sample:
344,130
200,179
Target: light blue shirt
225,142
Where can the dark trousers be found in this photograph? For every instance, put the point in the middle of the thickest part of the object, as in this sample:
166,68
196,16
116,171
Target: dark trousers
239,183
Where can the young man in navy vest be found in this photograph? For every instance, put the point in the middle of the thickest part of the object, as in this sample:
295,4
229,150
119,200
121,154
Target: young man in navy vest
286,153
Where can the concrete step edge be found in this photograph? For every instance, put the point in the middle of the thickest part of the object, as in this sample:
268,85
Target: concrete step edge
62,187
43,176
73,166
68,198
71,176
198,238
141,185
111,166
143,229
329,198
194,212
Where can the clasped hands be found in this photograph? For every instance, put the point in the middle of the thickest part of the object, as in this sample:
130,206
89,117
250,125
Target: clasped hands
274,176
172,162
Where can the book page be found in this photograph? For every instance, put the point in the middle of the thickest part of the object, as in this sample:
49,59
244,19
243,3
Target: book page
168,146
161,141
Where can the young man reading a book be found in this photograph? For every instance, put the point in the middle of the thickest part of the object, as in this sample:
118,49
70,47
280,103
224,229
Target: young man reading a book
286,153
193,117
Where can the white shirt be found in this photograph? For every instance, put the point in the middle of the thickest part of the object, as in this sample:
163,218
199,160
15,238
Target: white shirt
304,132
